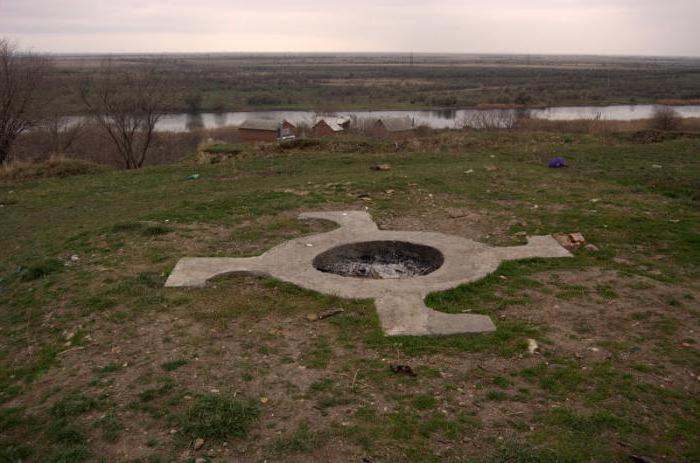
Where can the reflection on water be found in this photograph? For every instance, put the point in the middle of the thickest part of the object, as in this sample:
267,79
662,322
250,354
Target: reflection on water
194,122
437,119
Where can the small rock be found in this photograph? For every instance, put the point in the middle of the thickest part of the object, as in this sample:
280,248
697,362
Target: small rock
532,346
198,443
200,460
491,168
264,400
74,258
577,238
214,391
312,317
591,247
570,240
455,213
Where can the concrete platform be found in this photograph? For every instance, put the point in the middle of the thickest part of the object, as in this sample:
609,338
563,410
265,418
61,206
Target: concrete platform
400,302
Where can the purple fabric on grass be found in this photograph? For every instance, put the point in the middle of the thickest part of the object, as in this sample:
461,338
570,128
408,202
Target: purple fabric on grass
557,163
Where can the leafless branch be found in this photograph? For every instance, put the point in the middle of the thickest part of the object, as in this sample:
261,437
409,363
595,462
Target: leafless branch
127,104
21,77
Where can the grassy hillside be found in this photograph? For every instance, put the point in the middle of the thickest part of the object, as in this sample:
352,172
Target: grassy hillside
99,362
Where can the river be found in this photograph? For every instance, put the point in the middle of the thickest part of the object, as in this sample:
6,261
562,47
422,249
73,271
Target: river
437,119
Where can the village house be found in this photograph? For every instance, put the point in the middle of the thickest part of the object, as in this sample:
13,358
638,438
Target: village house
328,127
265,130
393,127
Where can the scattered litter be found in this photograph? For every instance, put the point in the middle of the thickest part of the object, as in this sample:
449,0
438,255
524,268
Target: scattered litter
557,163
382,167
364,197
469,171
329,313
656,166
595,200
198,443
570,240
74,258
402,369
312,317
491,168
193,177
264,400
532,346
309,245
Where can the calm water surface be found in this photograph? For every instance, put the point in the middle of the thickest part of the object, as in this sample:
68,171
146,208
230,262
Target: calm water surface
437,119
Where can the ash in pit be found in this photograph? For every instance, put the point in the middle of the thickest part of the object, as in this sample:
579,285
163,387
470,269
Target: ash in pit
380,260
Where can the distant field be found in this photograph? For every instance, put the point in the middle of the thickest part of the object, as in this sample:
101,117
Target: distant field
225,82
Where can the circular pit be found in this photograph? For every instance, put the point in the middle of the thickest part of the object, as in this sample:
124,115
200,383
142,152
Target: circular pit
380,260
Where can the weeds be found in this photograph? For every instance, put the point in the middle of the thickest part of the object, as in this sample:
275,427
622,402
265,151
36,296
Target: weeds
219,418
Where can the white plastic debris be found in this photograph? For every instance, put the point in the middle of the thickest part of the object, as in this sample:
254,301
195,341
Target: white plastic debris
532,346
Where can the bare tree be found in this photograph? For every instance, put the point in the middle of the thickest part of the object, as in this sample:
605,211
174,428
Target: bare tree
21,77
127,104
490,119
62,132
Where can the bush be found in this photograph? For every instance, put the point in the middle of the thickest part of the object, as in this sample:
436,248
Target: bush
40,269
54,167
665,118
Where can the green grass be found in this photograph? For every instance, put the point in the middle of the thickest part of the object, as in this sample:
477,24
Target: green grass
302,440
173,364
219,418
151,352
72,405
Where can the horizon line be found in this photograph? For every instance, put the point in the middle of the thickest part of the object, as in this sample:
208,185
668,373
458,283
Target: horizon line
378,53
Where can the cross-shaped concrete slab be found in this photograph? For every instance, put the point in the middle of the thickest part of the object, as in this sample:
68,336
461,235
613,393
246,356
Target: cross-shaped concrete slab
399,301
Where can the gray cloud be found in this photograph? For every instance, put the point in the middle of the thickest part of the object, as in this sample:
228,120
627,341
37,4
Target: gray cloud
536,26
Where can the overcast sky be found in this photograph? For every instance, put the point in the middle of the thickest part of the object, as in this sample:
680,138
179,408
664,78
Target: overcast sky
640,27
